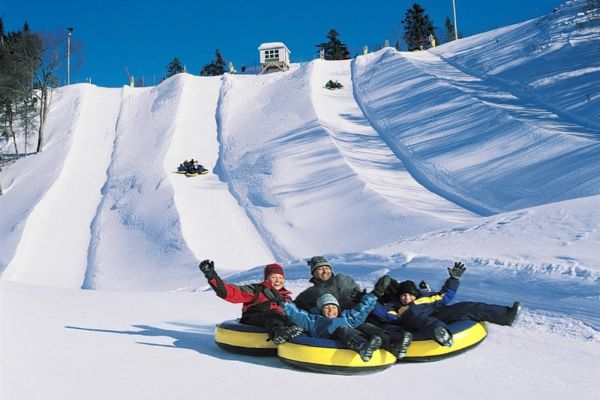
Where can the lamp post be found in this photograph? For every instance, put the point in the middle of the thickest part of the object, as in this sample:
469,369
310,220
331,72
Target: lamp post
454,12
69,33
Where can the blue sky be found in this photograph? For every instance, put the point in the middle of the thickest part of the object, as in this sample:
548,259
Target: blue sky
145,35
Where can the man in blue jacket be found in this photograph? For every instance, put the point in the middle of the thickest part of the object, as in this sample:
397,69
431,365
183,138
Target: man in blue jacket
430,314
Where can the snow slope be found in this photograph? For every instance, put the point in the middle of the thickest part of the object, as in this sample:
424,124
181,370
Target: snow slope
297,166
18,181
206,203
506,151
70,344
60,256
368,155
483,150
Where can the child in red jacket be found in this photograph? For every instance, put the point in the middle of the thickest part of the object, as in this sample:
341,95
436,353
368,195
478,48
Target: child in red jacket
257,309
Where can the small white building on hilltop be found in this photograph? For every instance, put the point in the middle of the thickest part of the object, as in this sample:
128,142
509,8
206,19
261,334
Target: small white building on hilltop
274,55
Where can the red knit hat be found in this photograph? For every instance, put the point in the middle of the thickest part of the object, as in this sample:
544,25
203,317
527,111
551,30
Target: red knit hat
273,269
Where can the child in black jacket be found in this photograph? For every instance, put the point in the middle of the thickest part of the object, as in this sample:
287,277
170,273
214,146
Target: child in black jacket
430,314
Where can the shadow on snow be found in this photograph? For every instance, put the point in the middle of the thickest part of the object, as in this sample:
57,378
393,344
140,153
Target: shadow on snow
199,338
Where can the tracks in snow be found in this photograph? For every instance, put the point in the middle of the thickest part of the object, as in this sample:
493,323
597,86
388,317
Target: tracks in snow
366,153
53,248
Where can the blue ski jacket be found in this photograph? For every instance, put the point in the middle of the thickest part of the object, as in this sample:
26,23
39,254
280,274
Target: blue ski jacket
322,327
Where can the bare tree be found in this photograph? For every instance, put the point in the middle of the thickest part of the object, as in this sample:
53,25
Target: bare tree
53,57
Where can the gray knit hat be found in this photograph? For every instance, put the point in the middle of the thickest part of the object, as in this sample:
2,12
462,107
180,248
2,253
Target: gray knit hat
327,299
316,262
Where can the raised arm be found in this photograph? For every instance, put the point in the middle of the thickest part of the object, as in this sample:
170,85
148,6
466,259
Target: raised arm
227,291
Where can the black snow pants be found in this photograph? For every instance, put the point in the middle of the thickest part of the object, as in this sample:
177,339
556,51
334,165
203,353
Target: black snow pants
389,335
425,322
350,337
271,320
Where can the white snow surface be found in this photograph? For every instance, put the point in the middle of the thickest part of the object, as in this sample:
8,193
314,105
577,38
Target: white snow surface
484,150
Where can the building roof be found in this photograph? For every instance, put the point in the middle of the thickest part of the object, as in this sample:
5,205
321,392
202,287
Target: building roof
273,45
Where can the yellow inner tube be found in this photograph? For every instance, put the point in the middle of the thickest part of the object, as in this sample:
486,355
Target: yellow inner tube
462,340
419,350
332,356
251,340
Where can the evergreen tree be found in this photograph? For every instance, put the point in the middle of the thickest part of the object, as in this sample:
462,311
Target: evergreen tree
20,53
334,49
449,34
417,27
1,32
29,64
174,68
215,68
219,63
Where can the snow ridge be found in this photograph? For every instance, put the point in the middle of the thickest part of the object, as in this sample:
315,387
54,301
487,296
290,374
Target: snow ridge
488,153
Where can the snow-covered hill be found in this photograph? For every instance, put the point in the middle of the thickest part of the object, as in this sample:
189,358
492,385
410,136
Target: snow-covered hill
486,150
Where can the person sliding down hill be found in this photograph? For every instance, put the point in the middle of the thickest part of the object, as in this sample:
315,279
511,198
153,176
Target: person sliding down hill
431,314
333,323
194,168
191,168
183,167
257,309
343,287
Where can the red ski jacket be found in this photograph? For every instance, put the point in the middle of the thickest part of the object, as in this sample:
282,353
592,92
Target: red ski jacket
251,295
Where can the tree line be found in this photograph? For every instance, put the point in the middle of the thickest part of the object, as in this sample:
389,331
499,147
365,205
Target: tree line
214,68
418,32
29,64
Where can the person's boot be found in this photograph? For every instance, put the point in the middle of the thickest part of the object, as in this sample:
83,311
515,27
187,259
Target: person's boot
356,343
277,333
281,334
365,348
513,313
366,351
293,331
399,347
442,336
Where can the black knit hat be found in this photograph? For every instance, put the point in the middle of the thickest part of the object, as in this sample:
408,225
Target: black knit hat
408,287
316,262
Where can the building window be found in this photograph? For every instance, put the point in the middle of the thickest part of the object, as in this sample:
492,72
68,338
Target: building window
271,55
